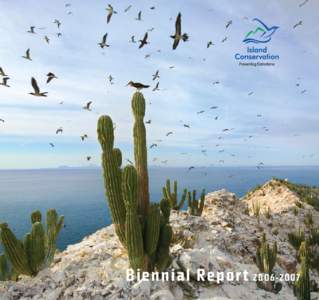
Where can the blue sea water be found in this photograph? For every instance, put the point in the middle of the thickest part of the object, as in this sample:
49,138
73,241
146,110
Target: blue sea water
78,194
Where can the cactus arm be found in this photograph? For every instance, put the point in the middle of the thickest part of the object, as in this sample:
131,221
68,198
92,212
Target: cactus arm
15,251
152,229
36,216
181,203
140,151
112,175
36,248
163,258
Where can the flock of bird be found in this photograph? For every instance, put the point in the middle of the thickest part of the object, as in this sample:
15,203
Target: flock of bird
177,37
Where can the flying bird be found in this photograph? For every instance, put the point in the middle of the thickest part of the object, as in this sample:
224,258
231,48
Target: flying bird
229,23
213,107
143,41
129,161
133,39
52,145
37,89
87,106
152,7
224,39
250,93
216,82
128,8
137,85
155,76
169,133
153,145
5,81
2,73
59,130
303,3
178,32
156,88
27,54
47,39
57,22
191,168
209,43
298,24
187,126
201,111
51,76
111,79
139,16
111,11
31,30
103,43
88,158
84,136
148,122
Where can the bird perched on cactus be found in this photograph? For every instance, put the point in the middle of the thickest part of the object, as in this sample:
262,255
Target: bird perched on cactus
142,227
138,85
195,207
37,250
172,198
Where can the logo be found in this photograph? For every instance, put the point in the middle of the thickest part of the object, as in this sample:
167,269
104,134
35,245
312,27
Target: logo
261,34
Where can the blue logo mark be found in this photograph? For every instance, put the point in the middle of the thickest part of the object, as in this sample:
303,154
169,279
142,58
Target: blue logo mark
261,34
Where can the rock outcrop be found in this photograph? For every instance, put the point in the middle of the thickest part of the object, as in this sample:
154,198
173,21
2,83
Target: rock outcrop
223,239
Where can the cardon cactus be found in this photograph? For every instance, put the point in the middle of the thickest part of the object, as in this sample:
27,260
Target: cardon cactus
195,207
172,197
302,287
265,256
141,226
6,270
37,250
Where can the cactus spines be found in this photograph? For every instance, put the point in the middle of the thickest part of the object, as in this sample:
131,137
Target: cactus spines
133,230
152,229
37,250
265,256
140,151
195,207
173,197
302,286
112,175
15,251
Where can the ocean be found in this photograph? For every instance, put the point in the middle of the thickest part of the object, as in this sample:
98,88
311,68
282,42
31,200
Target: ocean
78,194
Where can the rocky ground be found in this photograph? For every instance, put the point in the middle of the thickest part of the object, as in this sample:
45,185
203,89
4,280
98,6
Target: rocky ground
224,239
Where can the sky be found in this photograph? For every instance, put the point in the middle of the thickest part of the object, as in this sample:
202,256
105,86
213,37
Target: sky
286,133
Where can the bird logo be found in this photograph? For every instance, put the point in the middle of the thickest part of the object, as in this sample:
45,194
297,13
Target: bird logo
261,34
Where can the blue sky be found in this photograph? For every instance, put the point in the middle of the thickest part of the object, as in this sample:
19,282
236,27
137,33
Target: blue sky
82,69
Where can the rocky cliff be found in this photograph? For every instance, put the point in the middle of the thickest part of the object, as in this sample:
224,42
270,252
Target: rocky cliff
223,239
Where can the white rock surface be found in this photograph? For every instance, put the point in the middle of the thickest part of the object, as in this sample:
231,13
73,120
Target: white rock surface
224,239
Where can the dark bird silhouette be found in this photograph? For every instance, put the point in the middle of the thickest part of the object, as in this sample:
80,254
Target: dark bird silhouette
144,41
187,126
52,145
303,3
27,55
191,168
139,16
83,137
169,133
303,91
156,88
111,79
37,89
133,39
59,130
103,42
178,32
209,43
297,24
129,161
155,76
51,76
216,118
150,29
224,39
137,85
111,11
1,120
229,23
213,107
201,111
87,106
153,145
57,22
5,81
2,73
259,116
88,158
59,34
216,82
148,122
128,8
250,93
171,67
31,30
47,39
152,7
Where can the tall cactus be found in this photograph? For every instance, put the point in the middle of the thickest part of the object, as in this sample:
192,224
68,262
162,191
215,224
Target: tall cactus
173,197
6,270
195,207
140,151
265,256
37,250
112,175
142,227
302,286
